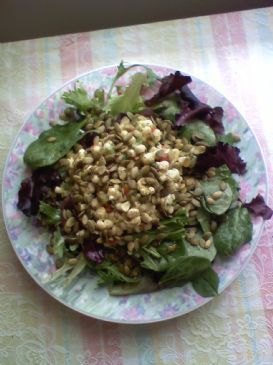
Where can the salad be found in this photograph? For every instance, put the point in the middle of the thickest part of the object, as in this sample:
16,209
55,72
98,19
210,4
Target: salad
136,184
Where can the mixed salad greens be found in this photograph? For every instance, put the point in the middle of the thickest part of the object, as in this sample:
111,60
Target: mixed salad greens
181,246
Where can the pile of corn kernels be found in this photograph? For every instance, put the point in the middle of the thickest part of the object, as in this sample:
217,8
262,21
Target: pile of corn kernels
131,177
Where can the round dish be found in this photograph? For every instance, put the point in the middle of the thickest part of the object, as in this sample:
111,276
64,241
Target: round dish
29,241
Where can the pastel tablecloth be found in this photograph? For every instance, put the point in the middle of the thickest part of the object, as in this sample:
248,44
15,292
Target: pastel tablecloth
232,52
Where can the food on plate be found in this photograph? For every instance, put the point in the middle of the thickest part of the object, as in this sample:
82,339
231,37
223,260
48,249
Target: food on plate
136,184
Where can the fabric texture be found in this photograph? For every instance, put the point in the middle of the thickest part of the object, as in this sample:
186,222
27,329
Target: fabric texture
232,52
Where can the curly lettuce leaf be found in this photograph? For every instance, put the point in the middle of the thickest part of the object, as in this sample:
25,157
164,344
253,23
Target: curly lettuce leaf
130,101
258,207
49,214
78,97
109,273
169,84
221,154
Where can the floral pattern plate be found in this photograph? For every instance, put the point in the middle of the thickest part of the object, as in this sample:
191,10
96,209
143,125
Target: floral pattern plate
29,241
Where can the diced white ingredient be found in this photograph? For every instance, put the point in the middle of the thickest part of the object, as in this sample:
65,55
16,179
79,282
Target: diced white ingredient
163,165
173,174
174,154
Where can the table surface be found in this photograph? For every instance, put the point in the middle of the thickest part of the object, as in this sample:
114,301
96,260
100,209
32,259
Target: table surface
232,52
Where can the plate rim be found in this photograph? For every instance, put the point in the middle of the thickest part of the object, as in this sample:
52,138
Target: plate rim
138,321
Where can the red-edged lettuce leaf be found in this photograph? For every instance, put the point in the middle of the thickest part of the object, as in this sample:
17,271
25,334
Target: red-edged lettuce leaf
93,252
36,188
215,120
196,109
221,154
257,206
169,84
189,114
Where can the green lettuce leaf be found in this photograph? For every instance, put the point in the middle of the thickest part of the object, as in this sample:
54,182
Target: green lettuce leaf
183,270
234,232
130,101
109,273
42,152
227,138
220,205
206,284
198,131
58,244
145,285
78,97
76,271
168,108
49,214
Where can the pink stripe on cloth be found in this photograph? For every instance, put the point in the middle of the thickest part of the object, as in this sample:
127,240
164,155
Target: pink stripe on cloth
68,56
91,340
232,54
101,342
112,343
84,53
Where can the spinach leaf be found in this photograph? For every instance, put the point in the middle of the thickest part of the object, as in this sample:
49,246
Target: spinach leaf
184,269
166,249
170,228
234,232
224,173
42,153
151,263
206,284
131,100
178,221
220,205
203,217
164,257
145,285
198,131
109,273
49,214
208,253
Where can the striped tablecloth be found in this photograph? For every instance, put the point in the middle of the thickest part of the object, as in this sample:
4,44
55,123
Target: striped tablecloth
232,52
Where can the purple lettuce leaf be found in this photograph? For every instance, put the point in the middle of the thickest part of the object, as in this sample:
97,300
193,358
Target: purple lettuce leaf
188,114
35,188
187,95
258,207
219,155
196,109
93,252
215,120
169,84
